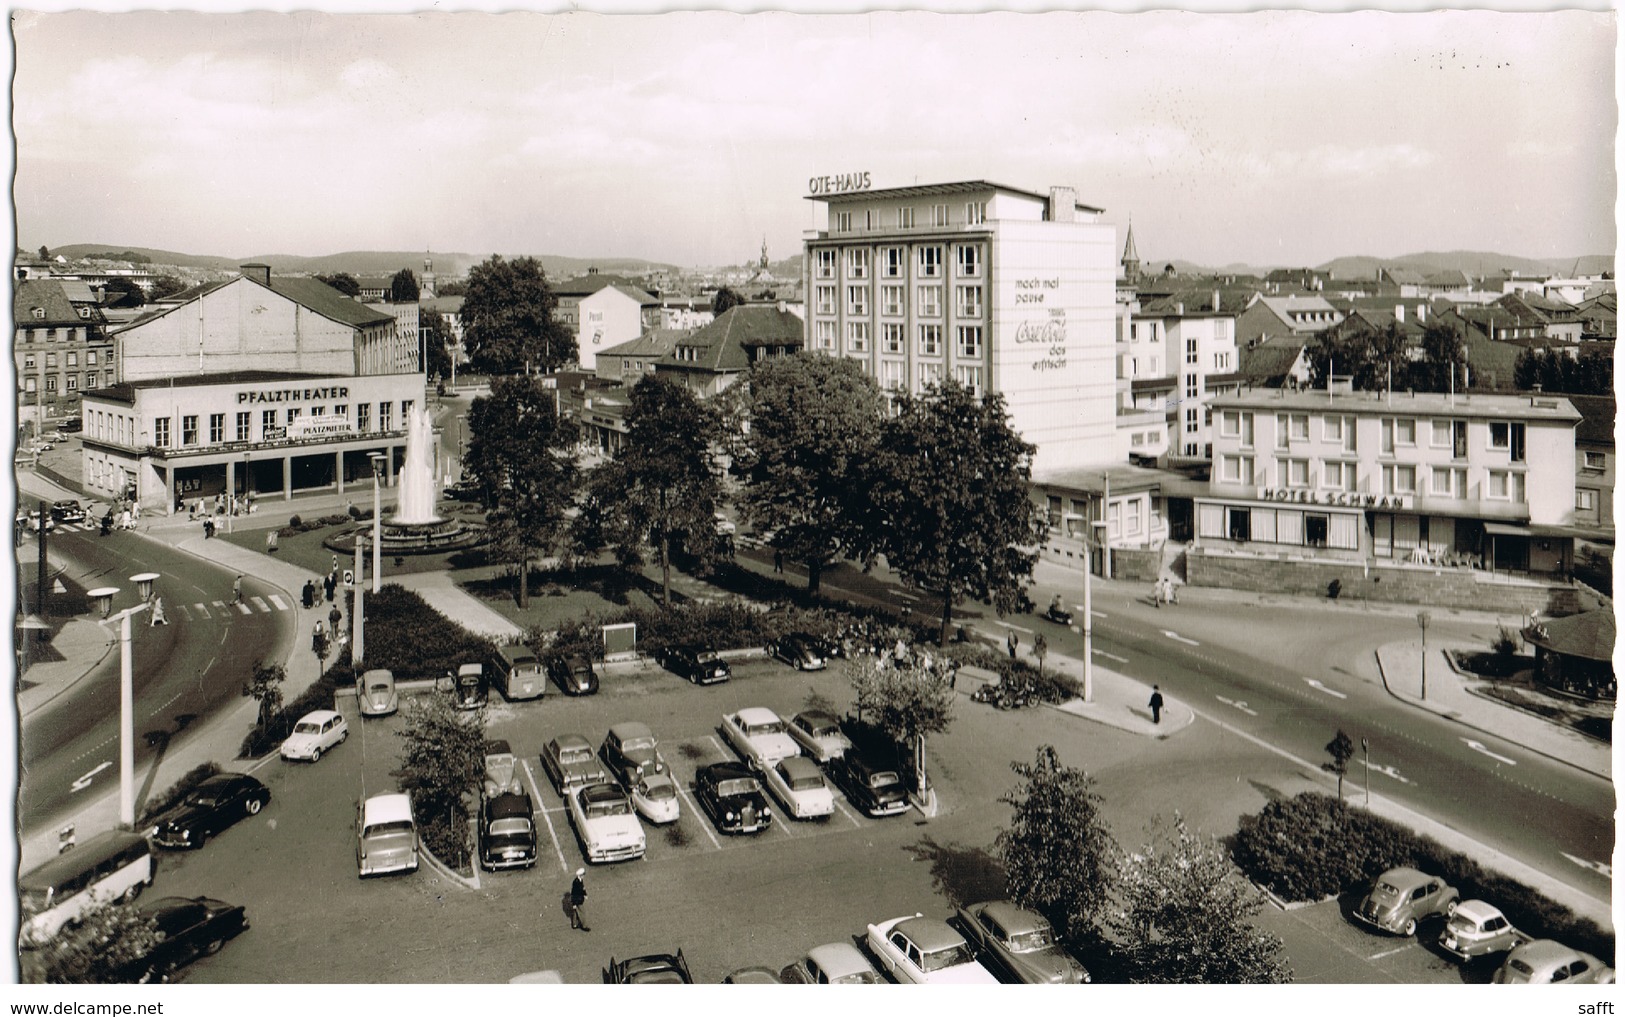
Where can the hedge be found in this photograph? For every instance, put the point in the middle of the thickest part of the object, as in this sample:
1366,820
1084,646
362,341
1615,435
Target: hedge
166,799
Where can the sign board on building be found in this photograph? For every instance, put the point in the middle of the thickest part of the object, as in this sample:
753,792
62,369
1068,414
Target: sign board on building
838,183
325,426
1346,499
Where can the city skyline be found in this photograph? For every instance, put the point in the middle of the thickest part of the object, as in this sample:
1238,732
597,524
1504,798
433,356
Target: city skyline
1280,138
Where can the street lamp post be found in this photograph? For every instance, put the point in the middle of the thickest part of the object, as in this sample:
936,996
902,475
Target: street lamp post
1089,618
126,750
377,460
1422,619
358,642
1365,746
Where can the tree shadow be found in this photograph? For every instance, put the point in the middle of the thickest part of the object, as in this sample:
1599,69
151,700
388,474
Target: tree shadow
962,875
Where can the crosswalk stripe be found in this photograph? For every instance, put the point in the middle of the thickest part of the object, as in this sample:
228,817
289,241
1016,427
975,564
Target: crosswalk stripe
243,608
184,612
278,601
202,609
260,603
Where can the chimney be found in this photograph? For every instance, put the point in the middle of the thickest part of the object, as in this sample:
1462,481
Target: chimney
1399,313
257,272
1179,308
592,270
1215,300
1421,313
1063,203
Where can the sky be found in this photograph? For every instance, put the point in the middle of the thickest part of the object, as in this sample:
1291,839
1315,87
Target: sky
1276,139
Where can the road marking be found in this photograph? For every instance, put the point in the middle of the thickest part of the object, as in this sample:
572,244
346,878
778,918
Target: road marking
698,814
1390,953
1176,637
1387,770
1481,747
1315,684
243,608
202,610
1111,656
1097,614
278,601
1586,863
841,805
260,603
536,792
185,614
84,782
1240,704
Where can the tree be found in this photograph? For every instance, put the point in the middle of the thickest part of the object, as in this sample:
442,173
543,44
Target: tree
442,763
523,455
1444,351
119,291
907,700
164,286
438,343
508,321
265,687
109,942
403,287
813,424
662,485
1183,910
44,253
1342,750
726,297
344,282
1058,850
948,501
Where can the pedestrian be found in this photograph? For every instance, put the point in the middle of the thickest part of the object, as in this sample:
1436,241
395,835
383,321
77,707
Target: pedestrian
334,617
1011,641
953,674
1156,592
237,590
1169,595
158,617
778,560
1156,705
308,595
578,900
124,520
318,641
331,584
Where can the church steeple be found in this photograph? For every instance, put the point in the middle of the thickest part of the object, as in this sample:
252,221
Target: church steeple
1131,257
763,263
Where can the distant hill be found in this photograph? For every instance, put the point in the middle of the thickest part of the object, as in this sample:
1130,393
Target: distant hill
1475,264
359,263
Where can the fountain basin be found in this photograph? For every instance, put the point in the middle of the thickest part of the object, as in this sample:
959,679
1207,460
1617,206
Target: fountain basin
395,538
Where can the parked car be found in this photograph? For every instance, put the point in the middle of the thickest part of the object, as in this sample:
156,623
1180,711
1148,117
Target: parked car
464,489
700,666
605,823
68,510
185,928
654,796
1548,962
570,763
832,964
574,674
72,425
1402,897
800,787
871,783
925,951
213,805
1478,929
32,521
507,831
468,689
1019,942
650,969
375,693
386,836
630,751
751,976
800,651
499,766
732,797
819,734
313,734
758,735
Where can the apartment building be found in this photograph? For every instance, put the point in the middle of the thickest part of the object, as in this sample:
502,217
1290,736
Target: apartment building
60,350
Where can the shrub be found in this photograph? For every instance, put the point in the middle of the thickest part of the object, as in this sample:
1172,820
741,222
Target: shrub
1506,643
1334,588
295,523
164,800
354,511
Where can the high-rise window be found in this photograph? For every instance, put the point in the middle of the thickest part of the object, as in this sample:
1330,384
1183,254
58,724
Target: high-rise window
970,341
824,299
970,261
929,302
824,334
930,262
857,263
975,213
905,217
891,337
843,222
970,376
826,264
968,301
857,300
939,215
857,336
891,262
891,300
931,340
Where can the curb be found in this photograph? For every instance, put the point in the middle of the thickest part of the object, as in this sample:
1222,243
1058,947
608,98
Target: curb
1281,904
42,704
442,869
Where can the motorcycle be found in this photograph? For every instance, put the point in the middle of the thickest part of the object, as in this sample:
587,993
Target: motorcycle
1057,615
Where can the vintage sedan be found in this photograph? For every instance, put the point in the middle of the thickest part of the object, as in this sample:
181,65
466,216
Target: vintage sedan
313,734
870,783
925,951
468,688
210,807
630,751
570,763
819,734
573,673
386,835
185,928
732,797
1402,897
1548,962
800,651
68,510
832,964
605,823
699,665
507,831
654,796
758,735
1020,943
375,693
1478,929
800,787
500,763
650,969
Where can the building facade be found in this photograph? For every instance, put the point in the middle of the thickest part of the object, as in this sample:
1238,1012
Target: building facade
609,317
61,350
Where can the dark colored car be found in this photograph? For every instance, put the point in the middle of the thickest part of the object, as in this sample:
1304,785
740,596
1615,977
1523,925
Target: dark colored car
71,424
210,807
733,798
507,831
187,928
800,651
68,510
650,969
463,490
630,750
700,666
574,673
570,763
869,779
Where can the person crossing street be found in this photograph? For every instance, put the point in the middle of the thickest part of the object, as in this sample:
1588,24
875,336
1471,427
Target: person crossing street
578,900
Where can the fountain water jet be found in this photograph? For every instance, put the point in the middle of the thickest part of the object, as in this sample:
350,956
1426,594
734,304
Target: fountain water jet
416,504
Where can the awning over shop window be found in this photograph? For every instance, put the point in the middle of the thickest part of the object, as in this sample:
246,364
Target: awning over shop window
1506,530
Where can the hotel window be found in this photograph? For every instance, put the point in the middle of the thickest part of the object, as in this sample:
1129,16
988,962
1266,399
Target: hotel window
969,300
970,341
386,416
930,374
1439,433
90,358
1340,430
891,337
1506,485
970,261
1585,501
929,302
871,218
843,222
930,340
891,262
826,264
939,215
1191,356
891,374
1595,460
73,382
930,260
891,300
1508,436
217,428
1458,439
969,376
905,217
824,334
1282,435
1292,473
857,263
1337,476
975,213
242,425
824,299
1444,482
1298,426
189,429
857,300
160,432
1191,390
857,336
50,360
28,361
73,359
1192,424
1399,479
1236,469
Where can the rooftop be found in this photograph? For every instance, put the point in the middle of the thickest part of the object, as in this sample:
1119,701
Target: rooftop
933,191
1535,406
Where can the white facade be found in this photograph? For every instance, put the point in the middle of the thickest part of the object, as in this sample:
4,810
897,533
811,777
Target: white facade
607,318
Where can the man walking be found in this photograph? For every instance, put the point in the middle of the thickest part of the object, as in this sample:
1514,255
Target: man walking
1010,643
578,899
1156,705
237,590
158,617
308,594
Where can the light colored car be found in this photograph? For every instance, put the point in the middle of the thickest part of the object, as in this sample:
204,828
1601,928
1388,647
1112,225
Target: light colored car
758,735
386,835
499,767
571,763
315,733
925,951
799,785
1402,897
654,797
1478,929
832,964
1548,962
605,823
819,734
1021,942
375,693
